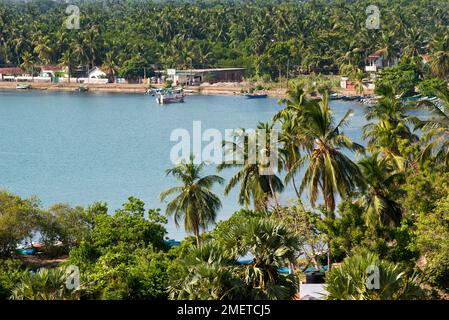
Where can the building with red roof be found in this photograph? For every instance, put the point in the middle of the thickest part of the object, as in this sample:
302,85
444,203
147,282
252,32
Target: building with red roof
377,61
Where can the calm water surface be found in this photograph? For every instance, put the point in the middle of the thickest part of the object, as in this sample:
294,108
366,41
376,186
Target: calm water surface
80,148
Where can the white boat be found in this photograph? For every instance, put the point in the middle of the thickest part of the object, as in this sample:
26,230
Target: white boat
165,96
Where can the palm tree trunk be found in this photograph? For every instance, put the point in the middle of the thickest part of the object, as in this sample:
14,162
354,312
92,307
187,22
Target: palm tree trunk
296,188
273,194
197,235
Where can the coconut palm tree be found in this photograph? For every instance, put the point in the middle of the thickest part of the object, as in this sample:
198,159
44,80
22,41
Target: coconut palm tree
389,46
358,76
28,63
43,49
194,201
258,182
66,60
110,66
436,131
378,199
414,42
329,171
389,130
439,57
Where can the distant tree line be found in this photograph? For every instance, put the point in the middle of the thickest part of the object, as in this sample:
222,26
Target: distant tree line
265,36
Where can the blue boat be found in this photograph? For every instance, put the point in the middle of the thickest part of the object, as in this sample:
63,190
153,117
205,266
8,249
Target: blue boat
172,243
28,251
256,95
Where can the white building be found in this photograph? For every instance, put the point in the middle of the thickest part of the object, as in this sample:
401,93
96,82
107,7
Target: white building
376,61
96,73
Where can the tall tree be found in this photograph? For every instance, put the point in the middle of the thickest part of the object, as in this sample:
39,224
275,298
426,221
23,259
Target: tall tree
329,171
193,201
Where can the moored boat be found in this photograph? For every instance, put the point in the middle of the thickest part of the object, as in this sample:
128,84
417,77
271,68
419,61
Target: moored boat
82,88
23,86
256,95
165,96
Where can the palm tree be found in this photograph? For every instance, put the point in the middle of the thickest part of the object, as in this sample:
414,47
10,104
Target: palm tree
67,61
436,131
414,43
256,183
272,246
43,49
350,280
377,199
290,153
110,66
206,272
28,63
212,271
390,130
388,46
329,171
194,201
46,284
439,57
358,76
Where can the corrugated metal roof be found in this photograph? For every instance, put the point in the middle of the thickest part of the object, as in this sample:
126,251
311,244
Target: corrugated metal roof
11,70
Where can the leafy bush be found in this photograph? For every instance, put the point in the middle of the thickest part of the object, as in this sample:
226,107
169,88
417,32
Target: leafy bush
125,256
432,237
10,274
16,221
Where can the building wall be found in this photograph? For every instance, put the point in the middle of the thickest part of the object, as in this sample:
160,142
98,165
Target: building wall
225,76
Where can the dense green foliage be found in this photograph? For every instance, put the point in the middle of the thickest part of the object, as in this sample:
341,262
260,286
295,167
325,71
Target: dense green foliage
300,36
212,271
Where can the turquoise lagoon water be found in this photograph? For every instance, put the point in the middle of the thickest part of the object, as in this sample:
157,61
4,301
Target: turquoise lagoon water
79,148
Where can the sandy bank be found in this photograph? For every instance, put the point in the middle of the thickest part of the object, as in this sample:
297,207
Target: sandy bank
215,89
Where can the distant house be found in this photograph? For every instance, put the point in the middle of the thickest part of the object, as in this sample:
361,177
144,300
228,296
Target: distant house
52,70
9,74
376,61
425,59
347,84
96,73
197,76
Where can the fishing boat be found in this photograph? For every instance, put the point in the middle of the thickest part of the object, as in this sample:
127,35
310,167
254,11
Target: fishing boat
335,96
352,98
23,86
172,95
256,95
82,88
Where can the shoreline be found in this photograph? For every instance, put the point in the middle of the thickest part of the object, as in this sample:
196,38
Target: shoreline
213,89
